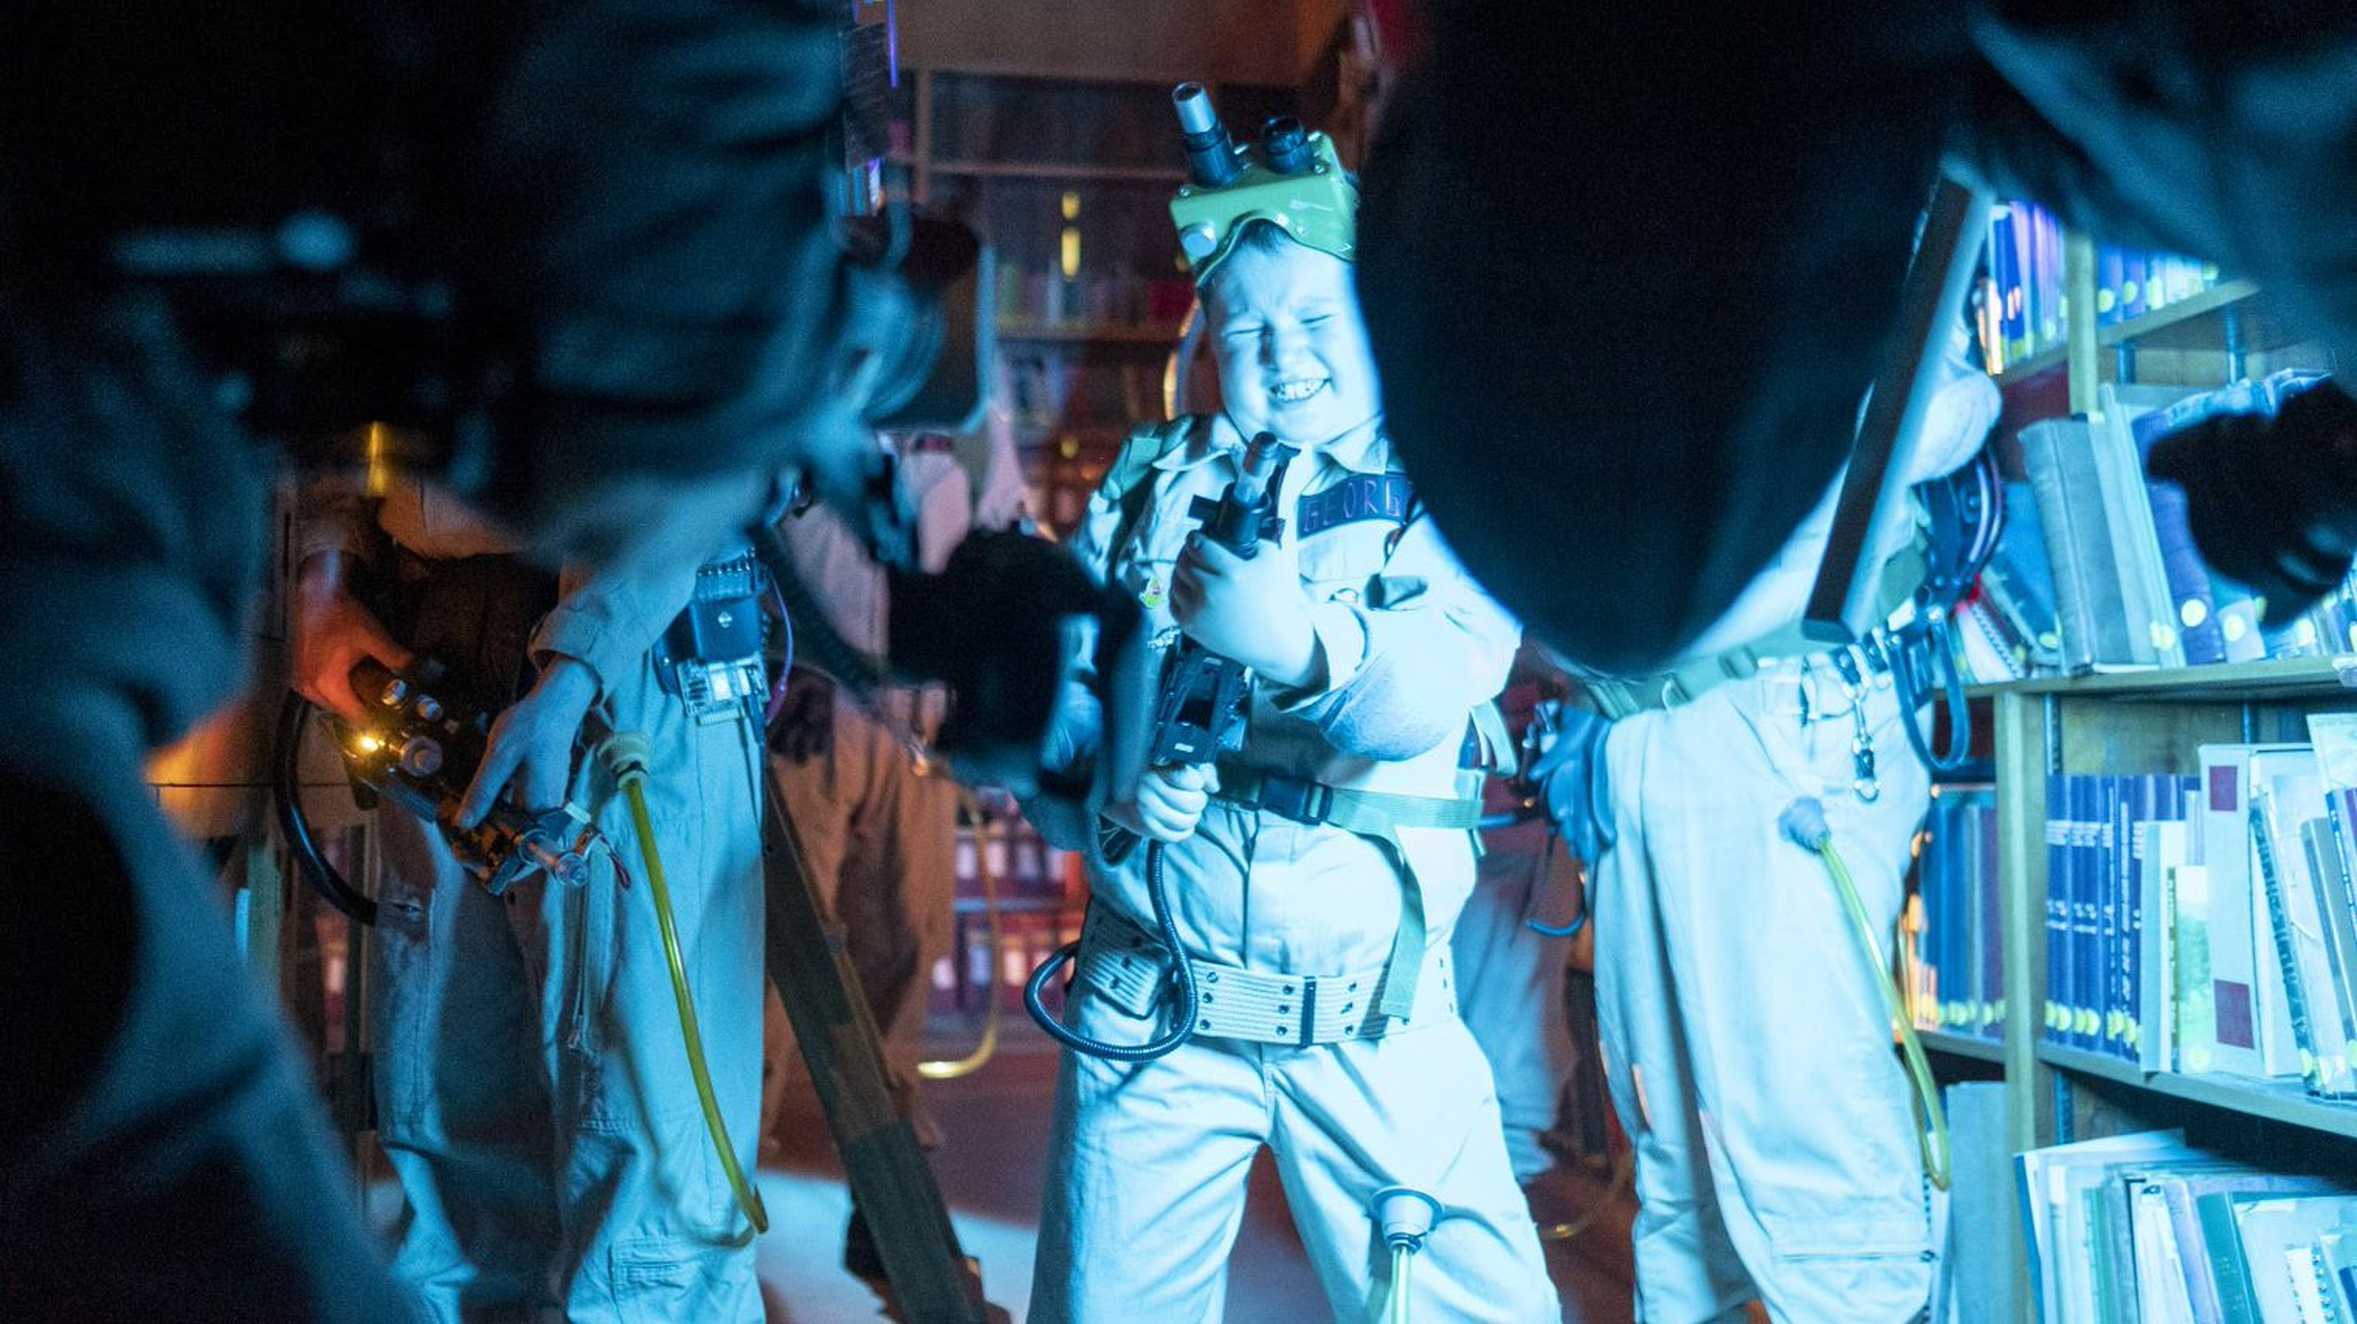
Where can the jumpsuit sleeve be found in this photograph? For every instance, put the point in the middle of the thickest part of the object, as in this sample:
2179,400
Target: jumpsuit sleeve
1400,674
1077,731
945,508
1962,413
608,621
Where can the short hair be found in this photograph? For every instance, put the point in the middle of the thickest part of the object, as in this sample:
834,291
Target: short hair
1259,235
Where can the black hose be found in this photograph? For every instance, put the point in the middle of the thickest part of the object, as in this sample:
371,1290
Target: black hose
293,716
1182,977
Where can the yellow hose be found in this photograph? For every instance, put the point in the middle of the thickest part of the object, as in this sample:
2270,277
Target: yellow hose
632,777
988,1048
1933,1133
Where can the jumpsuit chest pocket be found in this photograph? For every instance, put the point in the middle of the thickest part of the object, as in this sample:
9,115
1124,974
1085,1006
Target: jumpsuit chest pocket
1348,565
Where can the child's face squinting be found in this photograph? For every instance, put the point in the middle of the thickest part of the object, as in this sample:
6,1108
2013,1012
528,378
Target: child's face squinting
1292,349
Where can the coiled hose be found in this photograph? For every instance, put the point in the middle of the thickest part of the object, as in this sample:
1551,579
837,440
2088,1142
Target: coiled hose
625,755
1805,823
1182,977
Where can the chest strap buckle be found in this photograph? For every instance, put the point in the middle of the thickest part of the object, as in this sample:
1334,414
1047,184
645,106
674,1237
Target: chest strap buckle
1295,798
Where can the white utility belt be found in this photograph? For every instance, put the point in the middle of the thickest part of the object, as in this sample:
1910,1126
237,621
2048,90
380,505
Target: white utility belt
1125,965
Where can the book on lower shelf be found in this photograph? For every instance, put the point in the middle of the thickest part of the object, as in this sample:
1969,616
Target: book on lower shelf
1957,965
2144,1227
2194,924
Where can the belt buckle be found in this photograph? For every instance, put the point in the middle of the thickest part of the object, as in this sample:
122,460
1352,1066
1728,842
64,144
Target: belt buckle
1296,798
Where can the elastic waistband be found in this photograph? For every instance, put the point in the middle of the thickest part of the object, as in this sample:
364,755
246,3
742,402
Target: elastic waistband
1126,965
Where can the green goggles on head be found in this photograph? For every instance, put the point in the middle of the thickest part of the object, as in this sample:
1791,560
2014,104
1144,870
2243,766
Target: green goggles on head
1294,181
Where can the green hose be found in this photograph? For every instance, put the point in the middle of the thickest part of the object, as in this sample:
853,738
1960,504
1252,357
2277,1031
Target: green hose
1933,1119
626,755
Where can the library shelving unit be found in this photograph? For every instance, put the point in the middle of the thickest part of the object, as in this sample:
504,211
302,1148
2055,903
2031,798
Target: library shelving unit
2135,722
1070,181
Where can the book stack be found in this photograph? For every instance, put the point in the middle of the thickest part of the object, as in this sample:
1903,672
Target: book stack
2025,309
2114,847
2145,1229
1958,984
2096,569
2193,924
2283,911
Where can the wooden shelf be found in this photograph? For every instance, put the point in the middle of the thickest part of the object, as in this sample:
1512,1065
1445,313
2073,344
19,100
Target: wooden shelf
2280,1101
2211,300
1109,333
1054,170
2277,678
1962,1045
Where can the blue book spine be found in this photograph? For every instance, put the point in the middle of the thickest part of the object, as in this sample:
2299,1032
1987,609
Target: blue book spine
2048,265
1992,923
1950,931
1931,885
2005,267
2113,910
2110,264
2190,590
2135,265
2061,854
2096,797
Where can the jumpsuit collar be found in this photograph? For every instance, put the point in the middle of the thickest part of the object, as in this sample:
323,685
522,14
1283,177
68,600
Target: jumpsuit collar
1365,449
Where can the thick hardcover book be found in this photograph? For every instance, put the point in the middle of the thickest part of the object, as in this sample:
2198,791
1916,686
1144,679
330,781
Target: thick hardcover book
2193,1011
2019,580
2327,951
2100,626
2271,868
2292,777
2335,735
2136,541
2251,1029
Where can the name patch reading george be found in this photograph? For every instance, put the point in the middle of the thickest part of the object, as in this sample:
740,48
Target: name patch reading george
1358,497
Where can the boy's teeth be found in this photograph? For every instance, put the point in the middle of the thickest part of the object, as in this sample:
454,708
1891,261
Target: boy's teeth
1292,392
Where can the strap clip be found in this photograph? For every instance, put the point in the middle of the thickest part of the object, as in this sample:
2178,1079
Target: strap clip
1296,798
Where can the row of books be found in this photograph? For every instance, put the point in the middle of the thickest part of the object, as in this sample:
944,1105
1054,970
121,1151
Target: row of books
1059,386
2143,1228
1955,958
2024,304
2096,568
1044,296
2109,843
2193,924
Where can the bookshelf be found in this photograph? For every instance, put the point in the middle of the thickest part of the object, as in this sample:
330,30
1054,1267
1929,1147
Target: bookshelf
1962,1045
2210,305
2126,722
2129,722
1069,180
